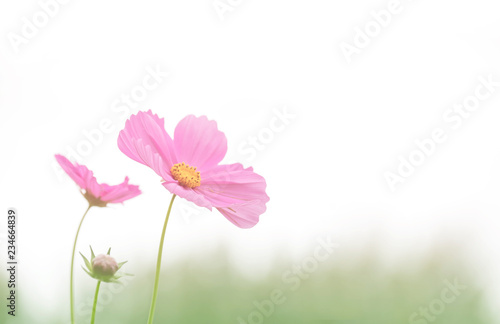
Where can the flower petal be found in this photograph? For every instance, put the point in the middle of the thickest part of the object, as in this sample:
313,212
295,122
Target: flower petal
94,191
244,215
145,140
238,193
119,193
79,173
199,143
94,188
188,193
83,177
152,159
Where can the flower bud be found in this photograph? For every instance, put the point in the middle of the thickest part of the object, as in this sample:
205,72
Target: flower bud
104,266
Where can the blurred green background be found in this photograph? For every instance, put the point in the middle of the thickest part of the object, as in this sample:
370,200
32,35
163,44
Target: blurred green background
343,289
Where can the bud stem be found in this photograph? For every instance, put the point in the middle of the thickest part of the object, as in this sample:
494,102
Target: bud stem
92,320
158,264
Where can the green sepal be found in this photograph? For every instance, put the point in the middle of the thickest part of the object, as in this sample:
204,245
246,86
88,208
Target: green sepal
90,274
87,263
121,264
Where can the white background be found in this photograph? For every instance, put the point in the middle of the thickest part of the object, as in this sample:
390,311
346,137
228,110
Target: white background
324,169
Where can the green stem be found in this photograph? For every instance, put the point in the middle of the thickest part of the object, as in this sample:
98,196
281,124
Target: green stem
71,295
92,320
158,265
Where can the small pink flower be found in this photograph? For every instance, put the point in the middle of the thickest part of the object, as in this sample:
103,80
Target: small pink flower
189,165
97,194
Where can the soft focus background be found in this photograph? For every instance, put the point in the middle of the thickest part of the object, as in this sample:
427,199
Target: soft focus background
316,105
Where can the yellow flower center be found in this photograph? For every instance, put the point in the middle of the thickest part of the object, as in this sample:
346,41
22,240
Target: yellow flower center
186,175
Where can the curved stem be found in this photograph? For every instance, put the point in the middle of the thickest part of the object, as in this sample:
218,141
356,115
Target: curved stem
71,295
92,320
158,264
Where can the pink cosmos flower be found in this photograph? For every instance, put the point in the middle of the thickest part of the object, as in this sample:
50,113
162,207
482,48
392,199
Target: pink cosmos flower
189,165
97,194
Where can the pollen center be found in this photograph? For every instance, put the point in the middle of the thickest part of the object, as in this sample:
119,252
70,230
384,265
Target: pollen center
186,175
